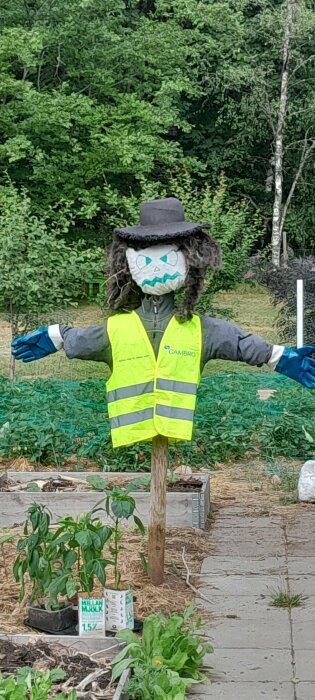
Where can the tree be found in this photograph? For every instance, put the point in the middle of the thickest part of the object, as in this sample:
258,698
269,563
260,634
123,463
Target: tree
39,271
280,208
102,101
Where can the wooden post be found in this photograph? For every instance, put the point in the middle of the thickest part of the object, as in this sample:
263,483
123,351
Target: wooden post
157,517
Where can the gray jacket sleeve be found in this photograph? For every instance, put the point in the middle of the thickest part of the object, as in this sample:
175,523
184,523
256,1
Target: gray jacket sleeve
90,343
225,341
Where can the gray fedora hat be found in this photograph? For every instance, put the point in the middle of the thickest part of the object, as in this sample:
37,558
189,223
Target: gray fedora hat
160,219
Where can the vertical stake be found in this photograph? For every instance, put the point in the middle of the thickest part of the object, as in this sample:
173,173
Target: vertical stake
299,313
157,520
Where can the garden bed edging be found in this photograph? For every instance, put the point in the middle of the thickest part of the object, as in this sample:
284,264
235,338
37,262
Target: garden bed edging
182,509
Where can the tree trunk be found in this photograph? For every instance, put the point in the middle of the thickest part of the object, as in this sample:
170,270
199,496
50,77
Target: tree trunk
14,326
277,205
157,523
285,254
12,369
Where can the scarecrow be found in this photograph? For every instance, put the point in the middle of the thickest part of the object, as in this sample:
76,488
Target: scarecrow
154,343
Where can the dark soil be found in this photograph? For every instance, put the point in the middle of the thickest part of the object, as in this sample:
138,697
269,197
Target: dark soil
60,484
185,485
43,657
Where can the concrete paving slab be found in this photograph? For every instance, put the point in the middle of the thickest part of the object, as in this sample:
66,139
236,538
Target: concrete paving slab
251,634
239,565
304,665
300,534
300,548
217,585
299,565
306,611
253,665
305,691
302,584
245,691
236,521
304,635
257,543
303,625
302,526
245,607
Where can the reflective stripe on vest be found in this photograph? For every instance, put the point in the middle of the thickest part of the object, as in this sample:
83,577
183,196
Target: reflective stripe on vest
146,395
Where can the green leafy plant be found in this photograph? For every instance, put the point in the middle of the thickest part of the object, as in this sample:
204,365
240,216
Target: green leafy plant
37,558
170,647
62,561
159,682
142,483
32,487
233,225
80,542
33,253
5,539
119,505
97,483
33,685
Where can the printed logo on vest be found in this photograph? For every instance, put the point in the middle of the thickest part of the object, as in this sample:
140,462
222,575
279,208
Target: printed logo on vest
174,351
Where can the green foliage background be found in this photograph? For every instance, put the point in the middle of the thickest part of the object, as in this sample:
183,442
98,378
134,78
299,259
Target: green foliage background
47,421
103,101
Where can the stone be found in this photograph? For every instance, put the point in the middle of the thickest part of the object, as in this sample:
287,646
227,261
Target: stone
306,483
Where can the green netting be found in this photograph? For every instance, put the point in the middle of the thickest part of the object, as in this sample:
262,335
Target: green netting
48,421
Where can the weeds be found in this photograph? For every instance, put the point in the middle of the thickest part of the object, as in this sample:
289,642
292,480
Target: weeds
285,599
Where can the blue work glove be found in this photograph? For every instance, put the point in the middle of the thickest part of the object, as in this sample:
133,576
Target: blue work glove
33,346
296,364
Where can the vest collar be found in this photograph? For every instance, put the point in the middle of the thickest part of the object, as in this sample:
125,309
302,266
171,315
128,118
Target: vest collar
157,307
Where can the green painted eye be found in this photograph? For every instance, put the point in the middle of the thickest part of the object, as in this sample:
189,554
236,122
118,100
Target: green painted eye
142,261
170,258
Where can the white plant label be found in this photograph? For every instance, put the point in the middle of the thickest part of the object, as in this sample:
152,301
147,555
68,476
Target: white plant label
92,617
118,610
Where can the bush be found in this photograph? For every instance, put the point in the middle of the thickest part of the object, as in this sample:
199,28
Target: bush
281,284
233,225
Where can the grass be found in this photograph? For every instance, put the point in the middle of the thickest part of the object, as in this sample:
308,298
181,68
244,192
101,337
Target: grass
249,306
284,478
285,599
289,499
56,366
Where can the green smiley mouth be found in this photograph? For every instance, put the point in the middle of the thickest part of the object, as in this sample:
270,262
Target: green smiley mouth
156,280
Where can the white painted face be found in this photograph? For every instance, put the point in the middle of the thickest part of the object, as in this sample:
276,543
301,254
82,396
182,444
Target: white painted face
158,269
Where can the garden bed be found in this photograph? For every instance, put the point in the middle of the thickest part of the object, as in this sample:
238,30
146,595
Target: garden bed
86,663
187,505
169,597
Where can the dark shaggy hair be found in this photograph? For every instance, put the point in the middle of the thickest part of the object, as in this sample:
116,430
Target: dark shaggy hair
123,294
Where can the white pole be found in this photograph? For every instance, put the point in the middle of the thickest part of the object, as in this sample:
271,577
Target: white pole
299,313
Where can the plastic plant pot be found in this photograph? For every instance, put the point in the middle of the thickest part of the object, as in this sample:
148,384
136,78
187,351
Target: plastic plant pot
50,621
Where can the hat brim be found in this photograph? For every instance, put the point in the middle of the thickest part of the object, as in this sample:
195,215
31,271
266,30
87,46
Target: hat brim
148,234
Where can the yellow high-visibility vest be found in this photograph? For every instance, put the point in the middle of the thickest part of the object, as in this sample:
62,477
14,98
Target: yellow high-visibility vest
150,396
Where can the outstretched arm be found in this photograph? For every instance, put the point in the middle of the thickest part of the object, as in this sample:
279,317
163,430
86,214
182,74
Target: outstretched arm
90,343
226,341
